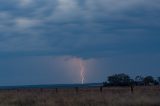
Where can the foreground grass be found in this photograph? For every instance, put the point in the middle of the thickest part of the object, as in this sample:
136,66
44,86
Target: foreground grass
142,96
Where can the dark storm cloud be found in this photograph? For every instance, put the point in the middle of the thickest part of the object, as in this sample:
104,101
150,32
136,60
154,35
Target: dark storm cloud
80,28
42,40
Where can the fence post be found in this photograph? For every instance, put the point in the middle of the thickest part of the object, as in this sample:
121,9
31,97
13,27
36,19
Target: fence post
101,89
77,89
132,89
41,89
56,90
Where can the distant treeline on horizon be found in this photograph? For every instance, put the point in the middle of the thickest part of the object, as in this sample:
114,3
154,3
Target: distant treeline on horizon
125,80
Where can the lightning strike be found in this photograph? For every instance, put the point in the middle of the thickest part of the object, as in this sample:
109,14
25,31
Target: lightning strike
82,72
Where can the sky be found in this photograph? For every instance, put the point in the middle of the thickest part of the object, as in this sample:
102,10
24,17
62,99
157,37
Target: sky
44,41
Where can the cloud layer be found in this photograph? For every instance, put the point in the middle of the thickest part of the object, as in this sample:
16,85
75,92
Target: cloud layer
41,40
85,28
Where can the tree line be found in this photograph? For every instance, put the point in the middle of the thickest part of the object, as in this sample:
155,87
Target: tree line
125,80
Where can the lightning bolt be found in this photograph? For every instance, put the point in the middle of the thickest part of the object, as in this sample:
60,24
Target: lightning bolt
82,72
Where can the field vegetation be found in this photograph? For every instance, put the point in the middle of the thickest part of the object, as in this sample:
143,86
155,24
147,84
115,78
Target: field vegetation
110,96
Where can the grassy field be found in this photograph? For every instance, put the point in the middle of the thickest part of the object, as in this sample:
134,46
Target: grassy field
114,96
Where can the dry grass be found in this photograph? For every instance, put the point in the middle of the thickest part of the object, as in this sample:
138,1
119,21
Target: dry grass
143,96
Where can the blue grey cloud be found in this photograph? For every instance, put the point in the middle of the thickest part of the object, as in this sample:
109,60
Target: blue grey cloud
40,38
78,27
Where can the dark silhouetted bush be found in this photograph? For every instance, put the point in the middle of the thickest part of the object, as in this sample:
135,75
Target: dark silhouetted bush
139,80
125,80
119,80
148,80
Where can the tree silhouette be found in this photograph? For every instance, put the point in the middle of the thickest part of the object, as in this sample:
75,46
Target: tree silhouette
139,80
159,80
148,80
119,80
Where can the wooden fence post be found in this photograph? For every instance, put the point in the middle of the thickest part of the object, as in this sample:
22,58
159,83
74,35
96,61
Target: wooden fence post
56,90
101,89
132,89
77,89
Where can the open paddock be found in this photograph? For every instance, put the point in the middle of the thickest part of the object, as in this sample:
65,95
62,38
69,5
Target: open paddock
109,96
